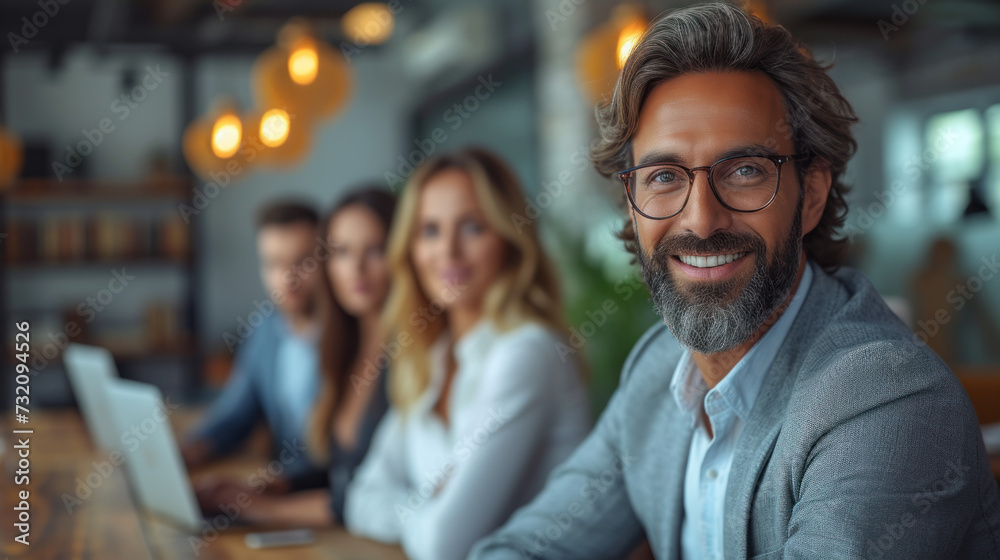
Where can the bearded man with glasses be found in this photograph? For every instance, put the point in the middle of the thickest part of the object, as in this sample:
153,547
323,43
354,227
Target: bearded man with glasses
781,410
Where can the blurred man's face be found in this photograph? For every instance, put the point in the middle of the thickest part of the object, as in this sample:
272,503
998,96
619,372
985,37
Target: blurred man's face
715,304
282,250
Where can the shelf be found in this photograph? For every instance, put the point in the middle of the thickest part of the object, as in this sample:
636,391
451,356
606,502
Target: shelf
32,266
131,352
83,190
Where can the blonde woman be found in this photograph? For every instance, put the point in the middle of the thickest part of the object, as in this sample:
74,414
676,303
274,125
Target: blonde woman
483,403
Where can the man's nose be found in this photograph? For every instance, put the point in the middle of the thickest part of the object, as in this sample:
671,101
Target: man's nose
703,214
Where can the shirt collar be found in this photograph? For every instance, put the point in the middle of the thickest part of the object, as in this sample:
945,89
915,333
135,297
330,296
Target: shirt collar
739,388
310,334
474,343
687,386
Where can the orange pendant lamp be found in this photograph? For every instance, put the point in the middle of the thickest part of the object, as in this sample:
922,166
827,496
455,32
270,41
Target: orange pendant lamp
218,144
602,52
283,138
302,75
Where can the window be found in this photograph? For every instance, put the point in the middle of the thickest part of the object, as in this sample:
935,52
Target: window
954,152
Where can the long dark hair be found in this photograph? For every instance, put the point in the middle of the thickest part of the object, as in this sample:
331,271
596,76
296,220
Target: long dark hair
341,333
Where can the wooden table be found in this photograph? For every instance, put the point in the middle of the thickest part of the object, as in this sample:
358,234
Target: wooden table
107,524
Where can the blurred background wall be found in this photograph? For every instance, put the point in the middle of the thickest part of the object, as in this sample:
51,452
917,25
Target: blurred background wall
518,76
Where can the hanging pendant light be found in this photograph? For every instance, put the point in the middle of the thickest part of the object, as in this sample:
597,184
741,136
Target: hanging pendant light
603,51
218,143
302,74
282,137
368,23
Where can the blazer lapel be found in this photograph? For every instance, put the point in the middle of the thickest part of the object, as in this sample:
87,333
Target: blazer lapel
673,450
271,370
753,450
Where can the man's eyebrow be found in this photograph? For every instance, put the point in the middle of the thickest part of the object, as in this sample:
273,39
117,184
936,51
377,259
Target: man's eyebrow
753,149
660,157
748,150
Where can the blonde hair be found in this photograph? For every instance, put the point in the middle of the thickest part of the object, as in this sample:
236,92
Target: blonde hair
527,289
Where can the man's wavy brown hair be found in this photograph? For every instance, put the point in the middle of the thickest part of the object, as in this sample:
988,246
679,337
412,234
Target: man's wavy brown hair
726,38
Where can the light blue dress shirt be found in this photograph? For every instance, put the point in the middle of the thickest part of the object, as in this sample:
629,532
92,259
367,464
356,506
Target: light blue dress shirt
298,374
727,405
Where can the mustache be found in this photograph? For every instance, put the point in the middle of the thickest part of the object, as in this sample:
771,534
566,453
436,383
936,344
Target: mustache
718,243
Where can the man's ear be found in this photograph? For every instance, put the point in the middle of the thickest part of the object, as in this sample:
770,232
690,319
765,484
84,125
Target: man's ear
815,190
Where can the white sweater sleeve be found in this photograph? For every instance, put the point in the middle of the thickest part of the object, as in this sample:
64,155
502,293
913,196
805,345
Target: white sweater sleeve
380,486
502,433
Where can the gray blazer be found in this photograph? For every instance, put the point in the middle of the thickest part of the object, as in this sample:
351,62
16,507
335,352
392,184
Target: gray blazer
862,444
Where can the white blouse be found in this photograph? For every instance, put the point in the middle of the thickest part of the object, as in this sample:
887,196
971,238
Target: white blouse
517,408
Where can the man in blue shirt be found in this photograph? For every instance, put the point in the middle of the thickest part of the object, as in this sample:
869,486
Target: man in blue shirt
781,410
275,374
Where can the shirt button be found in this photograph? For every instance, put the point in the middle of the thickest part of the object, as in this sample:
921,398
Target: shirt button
712,473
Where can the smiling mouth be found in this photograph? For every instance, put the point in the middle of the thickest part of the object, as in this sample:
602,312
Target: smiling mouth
709,261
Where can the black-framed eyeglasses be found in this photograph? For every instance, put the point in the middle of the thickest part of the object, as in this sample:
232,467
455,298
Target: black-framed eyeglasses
740,183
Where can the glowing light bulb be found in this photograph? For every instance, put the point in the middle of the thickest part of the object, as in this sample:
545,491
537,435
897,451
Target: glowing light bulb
303,64
274,126
627,40
368,23
226,135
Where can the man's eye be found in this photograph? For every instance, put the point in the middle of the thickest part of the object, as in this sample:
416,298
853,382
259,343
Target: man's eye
663,177
428,230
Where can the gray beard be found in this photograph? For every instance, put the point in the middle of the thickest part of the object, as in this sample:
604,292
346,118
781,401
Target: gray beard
702,317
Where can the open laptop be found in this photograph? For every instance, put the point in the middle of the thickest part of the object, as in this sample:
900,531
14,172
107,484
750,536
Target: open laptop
153,461
130,417
91,369
156,472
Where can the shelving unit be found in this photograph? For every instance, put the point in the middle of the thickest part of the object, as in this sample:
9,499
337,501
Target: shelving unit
74,229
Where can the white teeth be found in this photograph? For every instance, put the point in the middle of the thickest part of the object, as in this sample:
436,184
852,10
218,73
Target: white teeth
707,262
